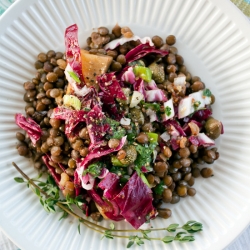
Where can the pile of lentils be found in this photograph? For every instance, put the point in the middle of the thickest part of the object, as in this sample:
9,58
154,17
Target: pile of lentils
176,170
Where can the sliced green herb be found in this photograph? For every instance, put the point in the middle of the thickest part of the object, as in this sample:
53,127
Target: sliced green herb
168,111
159,188
196,105
49,202
74,76
206,92
94,169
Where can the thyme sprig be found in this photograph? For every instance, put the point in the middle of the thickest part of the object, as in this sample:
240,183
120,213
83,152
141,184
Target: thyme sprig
48,194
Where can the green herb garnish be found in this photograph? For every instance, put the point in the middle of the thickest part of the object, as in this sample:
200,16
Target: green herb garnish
196,105
74,76
168,111
159,188
52,201
206,92
117,132
94,169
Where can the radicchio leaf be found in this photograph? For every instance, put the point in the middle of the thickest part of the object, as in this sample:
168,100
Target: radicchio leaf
96,128
109,209
120,41
186,127
73,51
71,117
155,95
201,140
199,115
128,76
176,125
94,154
90,99
142,50
135,201
111,185
139,86
30,126
110,85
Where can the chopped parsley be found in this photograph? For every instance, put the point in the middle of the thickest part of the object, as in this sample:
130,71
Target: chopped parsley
168,111
159,188
120,171
117,132
154,106
196,105
144,157
94,169
207,92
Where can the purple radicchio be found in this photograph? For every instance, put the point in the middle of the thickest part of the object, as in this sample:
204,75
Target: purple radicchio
135,201
111,89
120,41
30,126
142,50
128,76
139,86
110,85
73,51
96,126
111,186
72,118
201,140
108,209
199,115
155,95
96,153
173,124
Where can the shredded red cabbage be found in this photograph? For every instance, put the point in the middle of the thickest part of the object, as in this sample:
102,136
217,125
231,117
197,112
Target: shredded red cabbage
30,126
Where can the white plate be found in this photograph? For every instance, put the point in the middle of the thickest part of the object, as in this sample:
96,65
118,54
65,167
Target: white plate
213,36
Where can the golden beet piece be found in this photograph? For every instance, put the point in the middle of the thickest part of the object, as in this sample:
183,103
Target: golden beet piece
93,66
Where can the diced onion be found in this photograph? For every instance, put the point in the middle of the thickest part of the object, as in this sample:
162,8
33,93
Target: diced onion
136,98
125,121
165,136
180,81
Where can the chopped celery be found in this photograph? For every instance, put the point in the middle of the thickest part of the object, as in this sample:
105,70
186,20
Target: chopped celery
153,137
143,72
72,101
116,162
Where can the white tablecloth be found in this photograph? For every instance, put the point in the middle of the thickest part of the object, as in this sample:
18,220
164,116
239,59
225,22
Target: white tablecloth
241,243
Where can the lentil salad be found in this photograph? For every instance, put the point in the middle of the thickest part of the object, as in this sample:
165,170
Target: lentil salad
119,119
